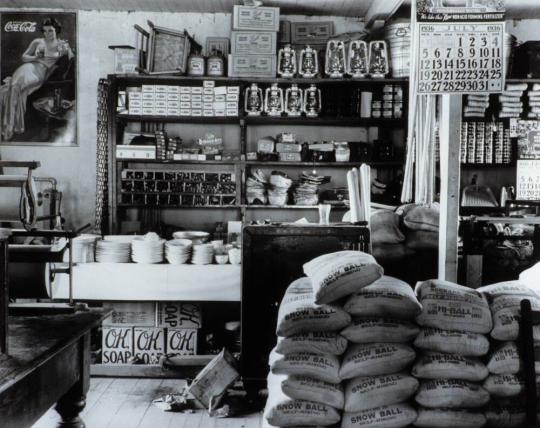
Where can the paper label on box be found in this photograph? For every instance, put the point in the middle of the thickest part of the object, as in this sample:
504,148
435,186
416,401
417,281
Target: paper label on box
135,110
196,97
139,314
148,96
255,18
182,341
173,89
148,111
179,315
196,104
208,98
208,113
185,112
134,95
160,111
160,88
173,104
173,97
160,96
209,83
148,88
185,89
135,103
253,42
196,90
173,112
160,103
185,97
233,89
149,344
117,345
220,90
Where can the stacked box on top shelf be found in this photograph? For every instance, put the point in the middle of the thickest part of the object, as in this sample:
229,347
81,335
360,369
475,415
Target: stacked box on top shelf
254,42
142,332
197,101
178,188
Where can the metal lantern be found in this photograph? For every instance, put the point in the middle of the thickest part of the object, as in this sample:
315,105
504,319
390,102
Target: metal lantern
273,100
253,100
309,62
378,58
335,59
358,59
293,100
312,101
287,62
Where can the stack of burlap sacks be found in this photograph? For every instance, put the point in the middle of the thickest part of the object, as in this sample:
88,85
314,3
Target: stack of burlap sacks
455,321
506,382
342,350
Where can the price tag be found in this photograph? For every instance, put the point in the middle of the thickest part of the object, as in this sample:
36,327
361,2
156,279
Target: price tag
528,180
460,58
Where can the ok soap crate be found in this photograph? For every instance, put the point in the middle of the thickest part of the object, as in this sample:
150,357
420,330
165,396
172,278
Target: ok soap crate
177,188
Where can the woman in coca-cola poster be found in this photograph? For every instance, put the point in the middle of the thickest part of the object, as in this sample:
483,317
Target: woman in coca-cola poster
38,91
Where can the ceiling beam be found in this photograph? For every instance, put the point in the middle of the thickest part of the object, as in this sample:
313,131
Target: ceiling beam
381,11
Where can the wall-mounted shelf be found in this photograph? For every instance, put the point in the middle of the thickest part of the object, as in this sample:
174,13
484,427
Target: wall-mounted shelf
205,120
323,121
388,164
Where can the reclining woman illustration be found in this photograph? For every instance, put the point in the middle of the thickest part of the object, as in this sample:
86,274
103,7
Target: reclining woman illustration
39,61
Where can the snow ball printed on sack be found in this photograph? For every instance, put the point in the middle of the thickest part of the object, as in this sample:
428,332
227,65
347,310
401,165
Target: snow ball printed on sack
282,411
341,274
375,359
451,393
367,330
505,414
507,385
436,365
323,367
506,312
298,312
448,418
387,296
394,416
366,392
452,342
317,342
505,359
311,389
451,306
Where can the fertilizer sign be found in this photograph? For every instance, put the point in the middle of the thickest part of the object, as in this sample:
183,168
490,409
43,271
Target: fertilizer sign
460,47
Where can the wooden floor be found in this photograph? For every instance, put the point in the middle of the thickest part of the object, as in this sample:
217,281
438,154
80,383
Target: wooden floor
127,403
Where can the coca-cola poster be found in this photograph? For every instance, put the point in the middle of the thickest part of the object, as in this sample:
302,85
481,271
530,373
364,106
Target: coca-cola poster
38,78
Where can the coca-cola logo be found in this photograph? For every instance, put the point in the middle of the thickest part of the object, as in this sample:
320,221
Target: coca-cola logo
20,27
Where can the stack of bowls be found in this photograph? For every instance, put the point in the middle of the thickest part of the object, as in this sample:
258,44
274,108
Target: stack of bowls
178,251
83,248
203,254
147,249
398,36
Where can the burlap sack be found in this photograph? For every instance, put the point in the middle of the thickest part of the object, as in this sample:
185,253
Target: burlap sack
366,392
504,386
388,297
322,342
506,314
452,342
298,313
341,274
507,288
436,365
385,228
451,393
505,359
374,359
506,414
311,389
323,367
451,306
393,416
282,411
367,330
449,418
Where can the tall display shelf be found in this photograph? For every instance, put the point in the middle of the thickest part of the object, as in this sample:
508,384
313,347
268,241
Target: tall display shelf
240,210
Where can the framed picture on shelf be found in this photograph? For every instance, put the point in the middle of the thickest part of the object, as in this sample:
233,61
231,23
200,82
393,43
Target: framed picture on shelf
38,74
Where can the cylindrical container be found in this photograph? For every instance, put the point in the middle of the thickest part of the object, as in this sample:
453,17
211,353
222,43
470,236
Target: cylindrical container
196,65
343,152
398,36
215,65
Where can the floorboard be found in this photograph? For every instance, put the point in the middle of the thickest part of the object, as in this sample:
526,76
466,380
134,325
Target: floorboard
127,402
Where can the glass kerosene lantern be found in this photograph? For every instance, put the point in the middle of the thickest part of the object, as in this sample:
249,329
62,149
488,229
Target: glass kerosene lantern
293,100
253,100
378,59
309,62
358,59
273,100
335,59
287,62
312,101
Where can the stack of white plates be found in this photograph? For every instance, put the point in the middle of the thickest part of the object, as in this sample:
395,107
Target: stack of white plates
178,251
112,252
203,254
145,250
83,248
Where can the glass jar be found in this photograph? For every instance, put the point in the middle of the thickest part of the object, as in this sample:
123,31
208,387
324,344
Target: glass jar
196,65
343,152
215,65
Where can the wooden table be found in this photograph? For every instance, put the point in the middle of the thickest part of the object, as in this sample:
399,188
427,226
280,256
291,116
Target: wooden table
48,362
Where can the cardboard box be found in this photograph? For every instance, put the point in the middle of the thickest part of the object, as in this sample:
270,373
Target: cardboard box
179,315
253,42
148,96
160,96
219,112
173,104
252,66
232,97
220,90
135,103
196,97
311,33
160,89
135,152
208,113
230,112
219,105
288,148
208,92
284,35
135,111
185,104
149,344
185,89
173,111
149,111
173,89
255,18
196,105
290,157
197,90
220,98
209,83
231,105
137,314
185,112
208,98
233,90
196,112
134,96
217,44
116,345
182,341
185,97
148,88
148,103
160,104
160,111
